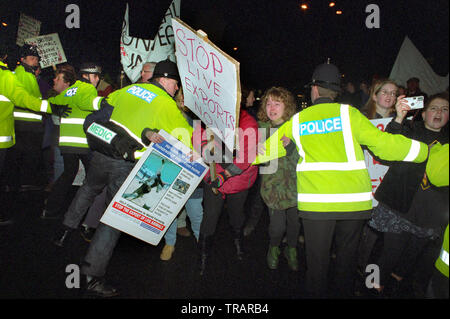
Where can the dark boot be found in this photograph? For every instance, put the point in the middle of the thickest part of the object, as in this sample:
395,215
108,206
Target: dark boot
62,236
204,247
237,241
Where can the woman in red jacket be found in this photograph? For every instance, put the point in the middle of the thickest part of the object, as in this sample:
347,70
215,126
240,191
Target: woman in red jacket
231,185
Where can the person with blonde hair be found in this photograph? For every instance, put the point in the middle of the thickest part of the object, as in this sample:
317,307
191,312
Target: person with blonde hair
382,99
279,190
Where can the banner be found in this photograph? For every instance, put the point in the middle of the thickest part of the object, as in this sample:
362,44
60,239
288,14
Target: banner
210,80
155,191
49,48
28,27
134,52
410,63
376,170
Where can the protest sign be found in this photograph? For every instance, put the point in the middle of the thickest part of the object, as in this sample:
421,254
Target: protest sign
28,28
376,170
49,48
210,80
134,52
155,191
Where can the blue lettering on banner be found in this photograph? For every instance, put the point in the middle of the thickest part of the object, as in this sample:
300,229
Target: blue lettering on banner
153,229
142,93
321,126
179,157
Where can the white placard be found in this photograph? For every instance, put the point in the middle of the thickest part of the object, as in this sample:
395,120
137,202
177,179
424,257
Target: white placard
49,48
210,80
155,191
28,27
134,52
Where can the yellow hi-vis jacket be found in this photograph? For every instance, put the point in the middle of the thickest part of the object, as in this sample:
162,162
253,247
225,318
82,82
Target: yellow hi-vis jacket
141,105
82,98
438,173
331,172
442,262
13,93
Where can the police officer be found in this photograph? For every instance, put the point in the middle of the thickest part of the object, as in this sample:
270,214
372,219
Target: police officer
27,155
81,96
13,93
333,184
140,110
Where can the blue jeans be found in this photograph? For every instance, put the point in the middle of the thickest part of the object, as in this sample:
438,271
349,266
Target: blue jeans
194,210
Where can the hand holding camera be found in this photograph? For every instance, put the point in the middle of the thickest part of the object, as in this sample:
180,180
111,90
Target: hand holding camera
405,104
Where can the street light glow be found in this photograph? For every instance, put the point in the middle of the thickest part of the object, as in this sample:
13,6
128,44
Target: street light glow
331,4
304,6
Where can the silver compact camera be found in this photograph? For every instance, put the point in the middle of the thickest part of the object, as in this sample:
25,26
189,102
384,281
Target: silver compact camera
415,102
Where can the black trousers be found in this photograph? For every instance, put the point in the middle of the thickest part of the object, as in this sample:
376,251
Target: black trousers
284,222
24,163
60,190
212,208
318,241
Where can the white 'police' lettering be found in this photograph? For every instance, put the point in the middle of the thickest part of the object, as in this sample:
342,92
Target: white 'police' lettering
142,93
321,126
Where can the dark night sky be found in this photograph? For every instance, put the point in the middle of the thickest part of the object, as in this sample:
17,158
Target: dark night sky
279,44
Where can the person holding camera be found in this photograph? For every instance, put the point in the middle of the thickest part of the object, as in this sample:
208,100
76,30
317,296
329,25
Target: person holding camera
400,184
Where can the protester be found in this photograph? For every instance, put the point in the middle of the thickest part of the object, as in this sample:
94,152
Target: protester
278,189
383,94
146,72
399,186
193,206
381,104
413,88
333,185
234,179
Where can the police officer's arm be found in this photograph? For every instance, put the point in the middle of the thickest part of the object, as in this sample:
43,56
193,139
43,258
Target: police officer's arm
273,147
387,146
16,93
174,123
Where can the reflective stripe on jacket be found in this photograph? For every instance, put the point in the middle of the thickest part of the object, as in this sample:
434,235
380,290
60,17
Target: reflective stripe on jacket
331,173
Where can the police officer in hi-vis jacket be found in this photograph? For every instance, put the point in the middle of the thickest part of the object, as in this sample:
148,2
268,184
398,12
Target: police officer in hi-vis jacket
333,184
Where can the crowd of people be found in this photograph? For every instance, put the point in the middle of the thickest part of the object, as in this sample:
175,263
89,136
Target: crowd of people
321,184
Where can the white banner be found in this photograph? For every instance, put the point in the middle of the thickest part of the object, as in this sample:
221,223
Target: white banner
28,27
410,63
210,80
376,170
134,52
49,48
155,191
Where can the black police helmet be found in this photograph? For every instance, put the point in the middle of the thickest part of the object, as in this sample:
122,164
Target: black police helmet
166,69
29,50
326,75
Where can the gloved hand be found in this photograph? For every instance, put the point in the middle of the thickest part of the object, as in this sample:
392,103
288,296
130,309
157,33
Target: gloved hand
60,110
220,179
125,147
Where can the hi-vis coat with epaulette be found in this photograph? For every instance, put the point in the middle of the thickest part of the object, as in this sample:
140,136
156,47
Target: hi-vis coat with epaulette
332,177
13,93
82,98
29,82
144,105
